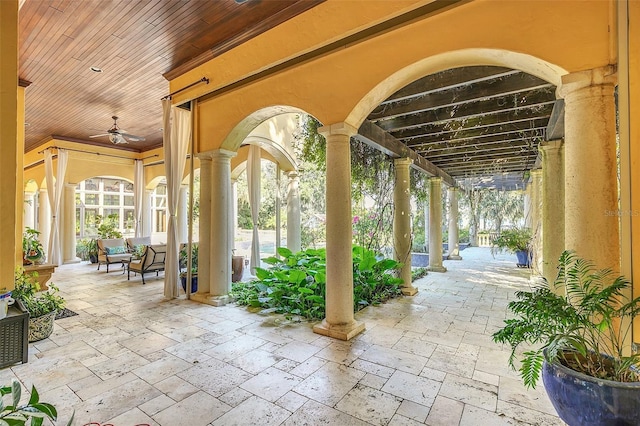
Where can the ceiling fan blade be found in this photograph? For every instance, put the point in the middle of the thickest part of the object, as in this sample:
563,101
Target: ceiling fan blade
99,136
133,138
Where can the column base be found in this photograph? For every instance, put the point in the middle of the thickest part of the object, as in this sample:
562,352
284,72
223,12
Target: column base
454,257
209,299
71,261
436,268
409,291
342,331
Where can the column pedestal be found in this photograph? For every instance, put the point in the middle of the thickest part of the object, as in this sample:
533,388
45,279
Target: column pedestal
339,322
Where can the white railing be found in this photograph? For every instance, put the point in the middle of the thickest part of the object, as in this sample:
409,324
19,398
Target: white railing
485,239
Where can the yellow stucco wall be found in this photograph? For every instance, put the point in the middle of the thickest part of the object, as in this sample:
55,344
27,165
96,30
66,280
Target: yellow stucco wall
546,38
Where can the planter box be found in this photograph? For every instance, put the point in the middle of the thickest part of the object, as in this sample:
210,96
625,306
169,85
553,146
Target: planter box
14,336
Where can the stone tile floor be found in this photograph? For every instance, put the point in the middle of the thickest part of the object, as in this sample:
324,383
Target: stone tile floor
132,358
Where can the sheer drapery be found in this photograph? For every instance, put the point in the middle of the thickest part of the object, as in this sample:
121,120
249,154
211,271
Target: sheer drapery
253,180
54,193
177,136
138,194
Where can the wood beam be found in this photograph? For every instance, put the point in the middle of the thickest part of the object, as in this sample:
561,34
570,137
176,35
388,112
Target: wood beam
376,137
423,145
478,122
448,79
555,128
508,85
540,123
517,101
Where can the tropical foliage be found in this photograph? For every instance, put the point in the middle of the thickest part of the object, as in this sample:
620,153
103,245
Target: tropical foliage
26,290
296,283
34,410
512,240
585,324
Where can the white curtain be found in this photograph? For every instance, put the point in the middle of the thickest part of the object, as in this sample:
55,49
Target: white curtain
138,195
253,180
54,192
177,136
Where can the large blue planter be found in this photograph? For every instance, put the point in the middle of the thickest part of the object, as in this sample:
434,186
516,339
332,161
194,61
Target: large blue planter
194,283
524,259
584,400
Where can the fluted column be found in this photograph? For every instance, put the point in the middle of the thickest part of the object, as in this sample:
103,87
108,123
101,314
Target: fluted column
552,207
591,189
29,217
339,322
402,223
536,222
294,240
183,214
435,225
454,243
68,229
204,237
44,217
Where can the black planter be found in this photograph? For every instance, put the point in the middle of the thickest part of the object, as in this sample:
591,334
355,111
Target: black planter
93,258
584,400
194,283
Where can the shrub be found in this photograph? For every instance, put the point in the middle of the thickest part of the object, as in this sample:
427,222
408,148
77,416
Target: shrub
295,285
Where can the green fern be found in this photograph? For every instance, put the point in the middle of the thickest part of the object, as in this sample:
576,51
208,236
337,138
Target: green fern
591,319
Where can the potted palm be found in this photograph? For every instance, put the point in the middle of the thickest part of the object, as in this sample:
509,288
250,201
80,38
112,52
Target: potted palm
516,241
578,340
42,307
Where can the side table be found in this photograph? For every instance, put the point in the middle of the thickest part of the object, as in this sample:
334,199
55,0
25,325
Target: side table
14,335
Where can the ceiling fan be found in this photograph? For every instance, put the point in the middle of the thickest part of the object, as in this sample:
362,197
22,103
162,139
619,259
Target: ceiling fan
118,136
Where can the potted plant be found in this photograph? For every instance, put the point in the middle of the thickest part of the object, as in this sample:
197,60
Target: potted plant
516,241
32,249
34,410
42,307
194,266
578,339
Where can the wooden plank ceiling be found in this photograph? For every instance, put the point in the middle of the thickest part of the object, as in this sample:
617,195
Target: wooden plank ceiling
135,43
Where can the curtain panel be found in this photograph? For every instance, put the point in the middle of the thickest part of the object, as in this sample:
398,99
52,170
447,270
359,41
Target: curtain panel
138,195
177,137
54,193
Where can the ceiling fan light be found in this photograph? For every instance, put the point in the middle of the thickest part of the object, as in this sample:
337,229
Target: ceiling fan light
114,138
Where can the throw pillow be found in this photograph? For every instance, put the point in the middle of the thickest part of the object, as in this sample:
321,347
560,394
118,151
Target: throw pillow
115,250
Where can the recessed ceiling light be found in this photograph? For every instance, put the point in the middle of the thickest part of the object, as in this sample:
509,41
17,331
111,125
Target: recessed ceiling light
96,69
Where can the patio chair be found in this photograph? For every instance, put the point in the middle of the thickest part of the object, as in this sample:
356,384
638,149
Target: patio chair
152,259
112,250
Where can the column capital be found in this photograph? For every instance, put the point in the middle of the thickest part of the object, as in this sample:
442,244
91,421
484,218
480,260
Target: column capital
343,128
537,173
70,185
293,174
435,179
402,162
581,79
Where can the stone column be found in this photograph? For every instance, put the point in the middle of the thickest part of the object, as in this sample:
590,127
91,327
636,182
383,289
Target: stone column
183,213
278,211
234,211
147,220
527,206
435,225
294,241
339,322
454,244
44,217
552,207
591,189
29,204
220,245
68,224
536,221
402,223
204,236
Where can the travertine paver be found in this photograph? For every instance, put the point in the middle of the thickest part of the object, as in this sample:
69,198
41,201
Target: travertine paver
131,357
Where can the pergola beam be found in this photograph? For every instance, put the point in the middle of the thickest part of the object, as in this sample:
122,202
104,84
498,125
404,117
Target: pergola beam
376,137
